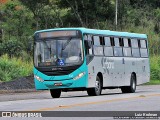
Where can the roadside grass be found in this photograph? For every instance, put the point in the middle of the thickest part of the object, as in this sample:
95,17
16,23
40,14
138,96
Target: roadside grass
12,68
155,70
153,82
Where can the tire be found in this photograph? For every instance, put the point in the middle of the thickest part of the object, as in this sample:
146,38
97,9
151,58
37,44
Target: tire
55,93
132,87
97,89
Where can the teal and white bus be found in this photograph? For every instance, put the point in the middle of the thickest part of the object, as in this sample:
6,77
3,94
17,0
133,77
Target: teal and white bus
67,59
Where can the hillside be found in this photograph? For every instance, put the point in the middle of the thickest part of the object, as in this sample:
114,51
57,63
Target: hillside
19,19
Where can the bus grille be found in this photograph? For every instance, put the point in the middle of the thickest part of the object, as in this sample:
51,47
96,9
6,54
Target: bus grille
60,71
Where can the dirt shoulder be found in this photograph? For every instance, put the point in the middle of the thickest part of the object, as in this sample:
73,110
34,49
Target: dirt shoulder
24,84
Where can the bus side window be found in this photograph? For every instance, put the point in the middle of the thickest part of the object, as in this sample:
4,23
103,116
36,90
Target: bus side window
108,49
129,42
98,48
121,43
117,47
134,43
101,40
127,47
143,48
107,41
88,44
139,44
96,40
112,41
126,42
135,48
143,43
116,42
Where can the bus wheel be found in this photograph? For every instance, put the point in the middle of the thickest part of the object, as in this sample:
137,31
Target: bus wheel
132,87
55,93
97,89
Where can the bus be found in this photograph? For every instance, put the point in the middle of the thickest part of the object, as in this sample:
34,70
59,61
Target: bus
73,59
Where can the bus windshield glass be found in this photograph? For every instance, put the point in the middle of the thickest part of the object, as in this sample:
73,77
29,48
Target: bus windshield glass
58,52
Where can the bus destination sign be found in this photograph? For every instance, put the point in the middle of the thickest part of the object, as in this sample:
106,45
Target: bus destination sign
64,33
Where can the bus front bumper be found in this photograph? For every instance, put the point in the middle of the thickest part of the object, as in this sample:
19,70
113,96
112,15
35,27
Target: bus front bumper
60,84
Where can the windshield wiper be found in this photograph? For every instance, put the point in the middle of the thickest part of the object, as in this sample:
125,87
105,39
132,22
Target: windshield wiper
44,41
66,44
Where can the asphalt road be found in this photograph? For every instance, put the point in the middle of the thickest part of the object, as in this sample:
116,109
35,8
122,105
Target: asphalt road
146,98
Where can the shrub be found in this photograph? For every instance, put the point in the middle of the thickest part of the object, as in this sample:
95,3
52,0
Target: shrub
12,48
155,67
11,68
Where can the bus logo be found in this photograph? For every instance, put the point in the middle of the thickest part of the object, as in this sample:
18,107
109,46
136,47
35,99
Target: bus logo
107,64
57,69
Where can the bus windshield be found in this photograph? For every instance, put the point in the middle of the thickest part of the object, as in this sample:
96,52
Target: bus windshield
58,52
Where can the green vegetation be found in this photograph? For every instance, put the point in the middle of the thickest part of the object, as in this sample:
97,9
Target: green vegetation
19,19
11,68
155,70
153,82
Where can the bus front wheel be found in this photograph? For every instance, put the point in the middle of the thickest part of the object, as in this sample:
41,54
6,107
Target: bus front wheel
132,87
97,89
55,93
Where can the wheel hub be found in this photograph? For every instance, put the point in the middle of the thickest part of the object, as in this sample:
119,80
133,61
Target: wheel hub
97,85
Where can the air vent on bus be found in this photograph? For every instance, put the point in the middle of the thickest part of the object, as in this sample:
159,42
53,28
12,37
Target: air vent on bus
57,71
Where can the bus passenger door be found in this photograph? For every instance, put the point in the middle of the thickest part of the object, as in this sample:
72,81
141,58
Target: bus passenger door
119,65
108,68
129,68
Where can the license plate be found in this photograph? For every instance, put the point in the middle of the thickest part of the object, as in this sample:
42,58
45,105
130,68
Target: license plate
57,84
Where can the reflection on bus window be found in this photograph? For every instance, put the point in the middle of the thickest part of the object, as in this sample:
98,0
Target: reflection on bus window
143,43
118,51
134,43
116,42
50,51
107,41
127,52
125,41
144,52
135,52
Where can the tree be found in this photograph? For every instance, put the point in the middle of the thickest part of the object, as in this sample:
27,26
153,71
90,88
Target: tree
87,13
46,13
16,22
37,7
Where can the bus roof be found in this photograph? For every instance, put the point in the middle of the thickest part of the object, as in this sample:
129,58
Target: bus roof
100,32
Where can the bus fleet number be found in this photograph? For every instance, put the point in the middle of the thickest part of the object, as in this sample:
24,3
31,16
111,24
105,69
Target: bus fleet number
109,65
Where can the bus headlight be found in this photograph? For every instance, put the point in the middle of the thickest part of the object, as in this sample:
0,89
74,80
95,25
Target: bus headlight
38,78
79,76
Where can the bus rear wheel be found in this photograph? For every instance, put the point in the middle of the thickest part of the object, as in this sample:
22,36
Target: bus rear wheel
55,93
97,89
132,87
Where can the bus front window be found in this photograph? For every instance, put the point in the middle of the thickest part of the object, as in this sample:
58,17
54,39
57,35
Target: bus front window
55,52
